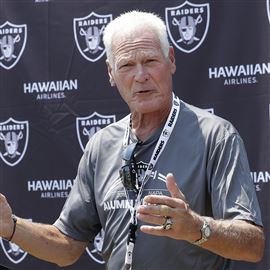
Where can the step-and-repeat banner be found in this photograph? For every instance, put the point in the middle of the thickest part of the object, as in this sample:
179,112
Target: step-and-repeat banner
55,94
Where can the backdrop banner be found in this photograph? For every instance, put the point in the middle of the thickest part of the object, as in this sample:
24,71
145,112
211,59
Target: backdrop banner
55,94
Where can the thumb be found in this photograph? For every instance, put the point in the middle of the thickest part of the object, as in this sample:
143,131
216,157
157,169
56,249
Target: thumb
173,187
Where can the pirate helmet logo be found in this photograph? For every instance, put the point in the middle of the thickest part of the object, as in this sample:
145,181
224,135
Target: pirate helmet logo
12,43
13,140
89,125
187,25
13,252
95,249
87,32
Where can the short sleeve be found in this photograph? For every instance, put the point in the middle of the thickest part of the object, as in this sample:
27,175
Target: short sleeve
232,191
79,219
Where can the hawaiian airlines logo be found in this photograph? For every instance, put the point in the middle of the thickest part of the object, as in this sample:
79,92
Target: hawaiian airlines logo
13,140
89,125
51,90
187,25
87,32
50,188
95,249
12,43
260,178
239,74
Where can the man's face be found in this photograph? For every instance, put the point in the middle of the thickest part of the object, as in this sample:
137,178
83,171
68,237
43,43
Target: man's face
141,71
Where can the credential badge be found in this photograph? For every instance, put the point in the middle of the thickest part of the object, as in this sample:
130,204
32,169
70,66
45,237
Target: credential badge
187,25
88,35
13,140
89,125
12,43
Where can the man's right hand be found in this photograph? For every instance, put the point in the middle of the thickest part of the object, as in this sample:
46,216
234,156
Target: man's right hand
6,221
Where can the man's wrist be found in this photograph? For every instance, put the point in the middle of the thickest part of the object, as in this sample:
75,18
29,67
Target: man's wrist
205,233
14,218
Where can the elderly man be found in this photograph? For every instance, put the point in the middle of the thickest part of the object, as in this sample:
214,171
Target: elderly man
169,184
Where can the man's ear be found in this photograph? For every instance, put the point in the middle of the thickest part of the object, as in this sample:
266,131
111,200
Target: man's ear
109,68
172,60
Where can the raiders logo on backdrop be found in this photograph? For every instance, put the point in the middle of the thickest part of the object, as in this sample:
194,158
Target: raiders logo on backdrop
88,35
14,253
13,140
95,249
187,25
89,125
12,43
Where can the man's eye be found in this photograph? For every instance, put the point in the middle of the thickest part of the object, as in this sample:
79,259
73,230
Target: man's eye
150,60
125,65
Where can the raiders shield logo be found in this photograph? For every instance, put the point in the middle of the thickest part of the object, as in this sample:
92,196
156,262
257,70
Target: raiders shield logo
89,125
88,35
94,250
12,43
13,252
13,140
187,25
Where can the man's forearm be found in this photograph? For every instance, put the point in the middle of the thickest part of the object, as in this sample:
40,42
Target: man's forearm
46,242
236,239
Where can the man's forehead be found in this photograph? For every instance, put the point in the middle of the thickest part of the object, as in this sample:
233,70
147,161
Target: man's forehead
127,44
136,54
134,35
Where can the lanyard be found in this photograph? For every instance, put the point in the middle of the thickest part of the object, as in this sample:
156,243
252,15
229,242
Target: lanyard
160,146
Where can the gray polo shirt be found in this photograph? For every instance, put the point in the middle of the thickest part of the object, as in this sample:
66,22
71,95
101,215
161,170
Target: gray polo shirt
207,157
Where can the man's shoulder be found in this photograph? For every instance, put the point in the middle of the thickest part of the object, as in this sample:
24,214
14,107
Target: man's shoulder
206,120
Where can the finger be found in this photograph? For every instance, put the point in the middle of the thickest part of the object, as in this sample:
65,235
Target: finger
155,230
156,220
173,187
163,200
162,210
158,200
154,209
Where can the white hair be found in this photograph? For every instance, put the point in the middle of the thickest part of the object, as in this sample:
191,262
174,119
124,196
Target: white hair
135,20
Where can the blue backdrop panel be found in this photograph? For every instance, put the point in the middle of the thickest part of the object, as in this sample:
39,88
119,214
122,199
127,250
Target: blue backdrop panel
55,94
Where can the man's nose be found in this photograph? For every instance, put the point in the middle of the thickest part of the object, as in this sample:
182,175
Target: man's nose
142,74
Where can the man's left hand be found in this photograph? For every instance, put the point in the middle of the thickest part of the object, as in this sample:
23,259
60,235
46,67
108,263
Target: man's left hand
156,209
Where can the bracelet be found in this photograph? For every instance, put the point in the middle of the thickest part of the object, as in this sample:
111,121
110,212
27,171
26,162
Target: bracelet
14,218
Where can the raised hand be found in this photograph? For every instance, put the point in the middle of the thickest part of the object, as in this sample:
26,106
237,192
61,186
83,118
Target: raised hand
183,224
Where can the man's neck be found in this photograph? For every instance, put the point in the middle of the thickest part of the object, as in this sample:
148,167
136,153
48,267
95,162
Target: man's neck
144,125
